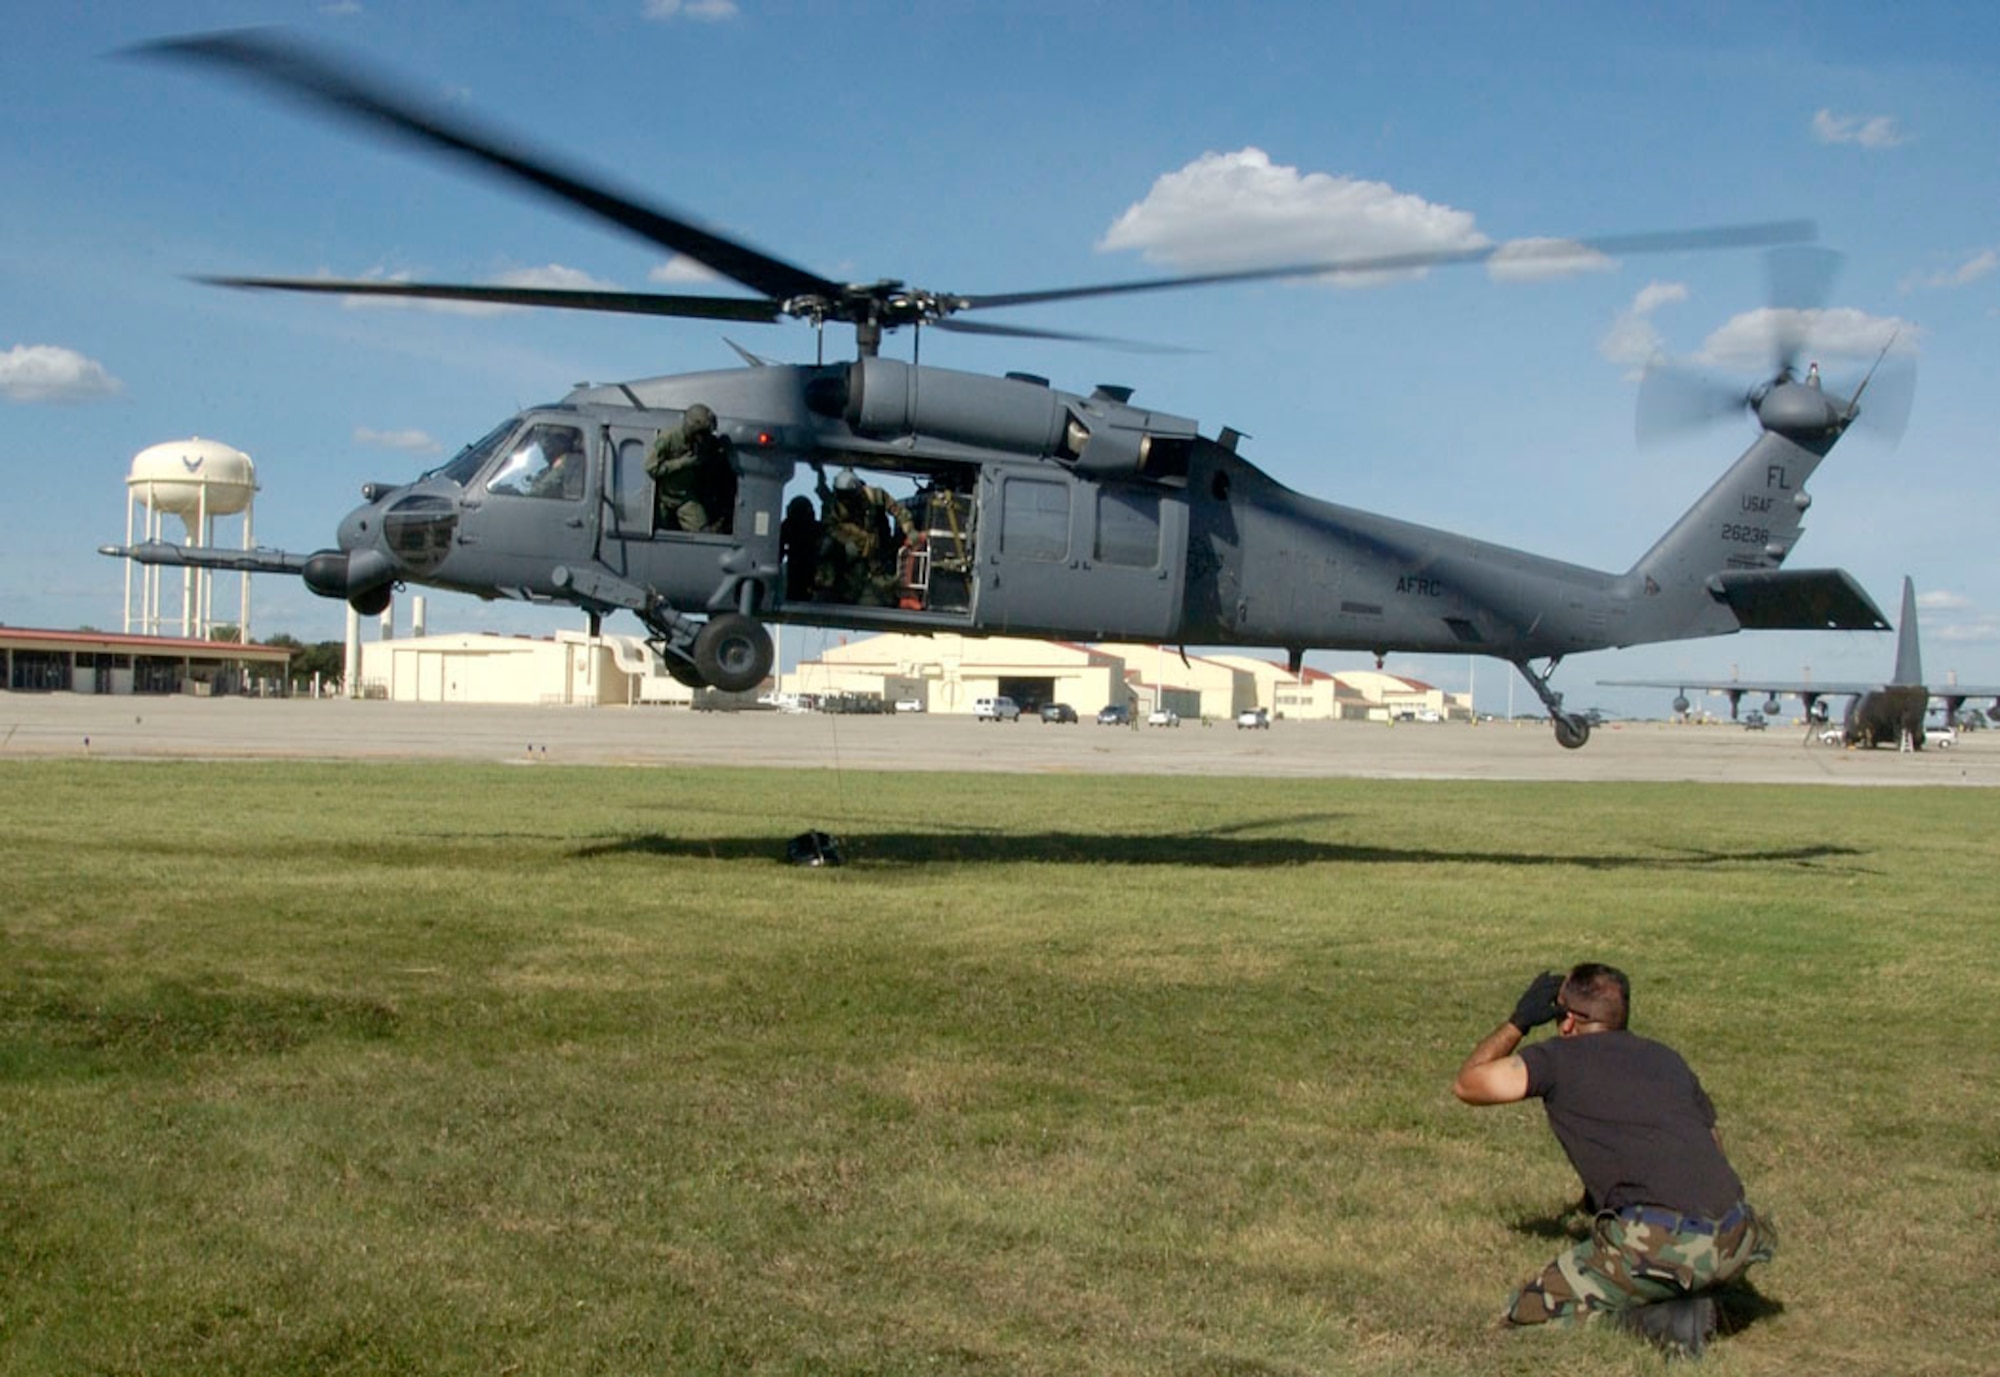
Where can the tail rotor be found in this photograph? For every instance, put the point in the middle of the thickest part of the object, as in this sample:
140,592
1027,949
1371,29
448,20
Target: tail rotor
1676,398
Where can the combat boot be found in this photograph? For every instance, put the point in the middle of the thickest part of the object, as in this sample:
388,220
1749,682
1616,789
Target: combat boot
1680,1327
1693,1324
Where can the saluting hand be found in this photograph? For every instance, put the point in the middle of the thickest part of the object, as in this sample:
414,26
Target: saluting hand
1537,1004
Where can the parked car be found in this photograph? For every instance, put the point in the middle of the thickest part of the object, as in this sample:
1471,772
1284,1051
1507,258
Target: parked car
1834,736
1163,717
909,705
1058,712
1114,715
1253,717
1944,738
996,710
1753,722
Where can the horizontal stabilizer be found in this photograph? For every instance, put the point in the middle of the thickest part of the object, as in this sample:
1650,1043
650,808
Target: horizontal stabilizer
1797,600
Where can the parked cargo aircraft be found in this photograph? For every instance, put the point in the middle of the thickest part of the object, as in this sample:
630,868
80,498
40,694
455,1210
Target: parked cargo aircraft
1877,714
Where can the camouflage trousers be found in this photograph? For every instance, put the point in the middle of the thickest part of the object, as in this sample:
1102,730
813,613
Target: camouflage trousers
1635,1258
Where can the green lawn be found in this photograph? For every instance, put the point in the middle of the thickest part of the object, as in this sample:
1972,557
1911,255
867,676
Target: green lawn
335,1068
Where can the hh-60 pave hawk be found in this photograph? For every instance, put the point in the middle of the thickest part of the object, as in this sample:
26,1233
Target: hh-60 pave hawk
1035,511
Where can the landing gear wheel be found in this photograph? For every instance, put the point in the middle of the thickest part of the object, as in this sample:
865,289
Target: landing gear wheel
1572,731
683,673
733,652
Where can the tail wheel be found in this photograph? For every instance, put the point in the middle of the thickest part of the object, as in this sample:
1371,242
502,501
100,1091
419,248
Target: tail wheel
733,652
1572,731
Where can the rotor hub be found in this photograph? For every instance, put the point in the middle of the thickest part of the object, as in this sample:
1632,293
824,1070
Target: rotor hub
1801,413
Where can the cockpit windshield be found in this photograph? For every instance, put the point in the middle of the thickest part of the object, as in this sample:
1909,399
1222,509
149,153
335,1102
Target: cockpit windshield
468,461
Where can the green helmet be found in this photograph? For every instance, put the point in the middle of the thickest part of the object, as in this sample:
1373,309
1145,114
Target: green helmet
699,417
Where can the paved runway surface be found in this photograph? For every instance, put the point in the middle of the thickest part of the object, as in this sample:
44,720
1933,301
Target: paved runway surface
63,724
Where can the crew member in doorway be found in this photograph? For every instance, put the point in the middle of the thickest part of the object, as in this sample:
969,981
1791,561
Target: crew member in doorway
799,540
858,552
694,487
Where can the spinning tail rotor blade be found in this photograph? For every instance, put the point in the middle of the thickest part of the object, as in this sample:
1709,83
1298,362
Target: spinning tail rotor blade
1674,400
1891,390
1800,284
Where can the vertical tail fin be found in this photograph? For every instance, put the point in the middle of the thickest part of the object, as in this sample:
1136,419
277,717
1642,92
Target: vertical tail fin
1909,659
1749,520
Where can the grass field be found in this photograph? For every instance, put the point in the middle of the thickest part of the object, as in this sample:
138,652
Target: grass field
462,1068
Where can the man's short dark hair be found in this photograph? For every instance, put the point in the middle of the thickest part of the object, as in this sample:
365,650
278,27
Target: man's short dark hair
1598,993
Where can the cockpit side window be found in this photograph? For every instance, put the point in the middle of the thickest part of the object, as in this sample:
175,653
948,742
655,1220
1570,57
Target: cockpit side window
546,461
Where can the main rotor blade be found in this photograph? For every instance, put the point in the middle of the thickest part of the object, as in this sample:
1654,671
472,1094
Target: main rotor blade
751,310
298,73
1761,235
981,327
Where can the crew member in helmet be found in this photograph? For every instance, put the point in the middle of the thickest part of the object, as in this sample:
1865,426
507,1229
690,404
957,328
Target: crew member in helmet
799,538
858,552
694,487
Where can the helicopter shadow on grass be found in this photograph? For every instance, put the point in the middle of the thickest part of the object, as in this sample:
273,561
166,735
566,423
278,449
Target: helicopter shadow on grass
1225,848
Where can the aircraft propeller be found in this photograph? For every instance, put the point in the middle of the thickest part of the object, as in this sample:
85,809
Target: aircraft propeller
311,78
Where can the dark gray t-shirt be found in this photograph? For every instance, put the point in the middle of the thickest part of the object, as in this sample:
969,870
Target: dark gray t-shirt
1635,1122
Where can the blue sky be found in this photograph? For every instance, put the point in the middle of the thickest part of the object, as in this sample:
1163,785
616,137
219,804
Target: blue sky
979,148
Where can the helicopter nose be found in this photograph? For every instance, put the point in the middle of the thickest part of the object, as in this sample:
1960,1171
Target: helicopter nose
359,528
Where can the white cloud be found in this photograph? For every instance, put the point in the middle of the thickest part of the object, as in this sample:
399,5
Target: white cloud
402,441
51,373
1539,260
1240,210
1980,265
1939,599
1869,131
1633,340
702,11
681,268
1979,632
1744,343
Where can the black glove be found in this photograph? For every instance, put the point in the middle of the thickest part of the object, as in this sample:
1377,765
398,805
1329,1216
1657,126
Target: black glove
1537,1004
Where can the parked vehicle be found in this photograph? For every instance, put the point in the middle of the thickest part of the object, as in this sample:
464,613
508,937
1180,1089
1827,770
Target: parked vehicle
1114,715
1253,717
1163,717
1058,712
909,705
996,710
1754,722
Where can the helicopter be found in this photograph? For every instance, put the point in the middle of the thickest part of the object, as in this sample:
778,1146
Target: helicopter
1035,511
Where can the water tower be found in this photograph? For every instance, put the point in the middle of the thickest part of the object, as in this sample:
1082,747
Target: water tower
196,480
